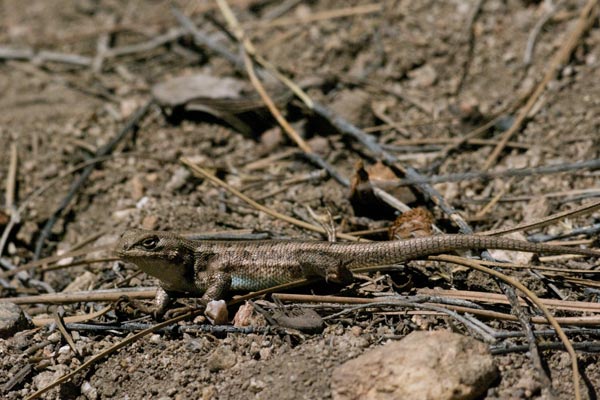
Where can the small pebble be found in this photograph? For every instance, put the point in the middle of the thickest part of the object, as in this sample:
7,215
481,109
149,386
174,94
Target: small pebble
265,353
90,392
178,180
142,202
156,339
422,77
54,337
256,385
150,222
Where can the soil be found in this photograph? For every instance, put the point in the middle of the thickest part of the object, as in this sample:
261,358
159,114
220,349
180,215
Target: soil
59,114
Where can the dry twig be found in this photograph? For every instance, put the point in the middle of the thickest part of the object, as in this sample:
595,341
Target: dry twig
342,126
537,28
201,172
536,300
561,57
128,127
320,16
517,172
578,211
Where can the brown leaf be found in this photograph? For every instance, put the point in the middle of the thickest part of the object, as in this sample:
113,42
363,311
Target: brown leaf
4,218
362,198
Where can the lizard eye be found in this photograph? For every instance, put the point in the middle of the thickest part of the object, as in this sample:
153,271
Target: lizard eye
149,243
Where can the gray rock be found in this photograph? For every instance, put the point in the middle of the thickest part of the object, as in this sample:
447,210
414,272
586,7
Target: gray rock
178,91
425,365
45,378
12,320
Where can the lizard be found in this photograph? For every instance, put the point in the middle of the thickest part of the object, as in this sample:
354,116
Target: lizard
210,269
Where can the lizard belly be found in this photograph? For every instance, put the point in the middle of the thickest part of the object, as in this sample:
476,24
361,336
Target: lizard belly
263,277
243,283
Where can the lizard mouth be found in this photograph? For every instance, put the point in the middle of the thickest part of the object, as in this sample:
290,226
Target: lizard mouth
123,248
123,251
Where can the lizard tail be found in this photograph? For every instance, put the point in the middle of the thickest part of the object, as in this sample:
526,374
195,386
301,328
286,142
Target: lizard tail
412,249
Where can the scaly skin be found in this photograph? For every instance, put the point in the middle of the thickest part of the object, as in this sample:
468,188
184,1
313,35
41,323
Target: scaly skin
210,269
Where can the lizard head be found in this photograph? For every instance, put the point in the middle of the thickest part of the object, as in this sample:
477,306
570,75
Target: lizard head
164,255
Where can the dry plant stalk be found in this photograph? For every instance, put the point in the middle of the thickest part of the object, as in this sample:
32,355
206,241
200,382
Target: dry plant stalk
561,57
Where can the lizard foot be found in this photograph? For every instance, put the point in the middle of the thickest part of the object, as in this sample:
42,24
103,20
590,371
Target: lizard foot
339,274
175,312
128,308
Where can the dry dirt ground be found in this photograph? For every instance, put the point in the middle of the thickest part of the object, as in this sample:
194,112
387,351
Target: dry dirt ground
395,69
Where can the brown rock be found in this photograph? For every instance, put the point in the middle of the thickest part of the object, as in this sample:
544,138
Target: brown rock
243,315
425,365
271,139
221,358
150,222
352,105
137,188
422,77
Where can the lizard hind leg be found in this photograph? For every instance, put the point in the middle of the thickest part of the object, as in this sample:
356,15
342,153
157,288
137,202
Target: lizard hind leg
331,268
339,273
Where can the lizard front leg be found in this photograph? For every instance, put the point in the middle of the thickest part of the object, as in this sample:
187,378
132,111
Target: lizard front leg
217,282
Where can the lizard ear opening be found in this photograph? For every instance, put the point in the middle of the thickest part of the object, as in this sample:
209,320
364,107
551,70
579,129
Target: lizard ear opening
149,243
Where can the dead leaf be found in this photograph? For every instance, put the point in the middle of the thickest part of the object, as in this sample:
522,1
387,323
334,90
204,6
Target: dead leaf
364,202
516,257
412,224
